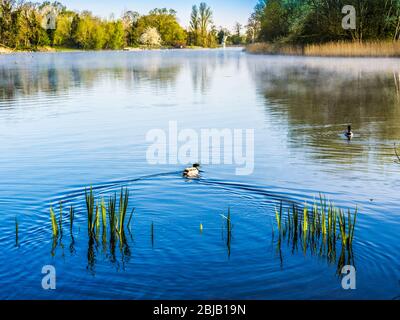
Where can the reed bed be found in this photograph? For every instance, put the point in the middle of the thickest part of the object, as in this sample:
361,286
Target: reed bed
116,210
320,228
97,212
274,49
331,49
102,216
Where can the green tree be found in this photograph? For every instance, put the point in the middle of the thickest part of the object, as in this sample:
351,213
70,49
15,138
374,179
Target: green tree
253,28
63,33
237,38
130,24
89,32
115,35
275,21
6,22
194,32
222,34
205,19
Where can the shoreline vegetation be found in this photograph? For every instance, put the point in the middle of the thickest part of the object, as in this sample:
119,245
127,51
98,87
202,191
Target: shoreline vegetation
384,49
302,28
323,28
48,49
51,27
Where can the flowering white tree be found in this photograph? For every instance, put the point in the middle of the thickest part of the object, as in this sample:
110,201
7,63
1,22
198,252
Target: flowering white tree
151,37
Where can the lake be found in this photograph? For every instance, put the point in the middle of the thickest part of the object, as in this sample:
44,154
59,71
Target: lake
74,120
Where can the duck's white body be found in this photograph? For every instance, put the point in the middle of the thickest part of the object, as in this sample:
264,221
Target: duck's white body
349,134
192,172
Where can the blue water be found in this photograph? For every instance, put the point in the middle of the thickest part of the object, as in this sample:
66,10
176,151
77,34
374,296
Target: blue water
73,120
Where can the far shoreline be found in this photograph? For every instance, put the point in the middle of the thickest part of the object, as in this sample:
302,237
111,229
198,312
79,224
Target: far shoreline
8,51
377,49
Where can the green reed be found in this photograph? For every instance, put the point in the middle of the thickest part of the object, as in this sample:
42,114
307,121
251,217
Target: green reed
152,233
319,227
112,216
103,215
71,219
91,211
57,225
60,220
228,228
130,218
16,232
123,206
97,212
54,225
278,216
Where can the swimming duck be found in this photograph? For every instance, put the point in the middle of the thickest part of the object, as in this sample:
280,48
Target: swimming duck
192,172
349,134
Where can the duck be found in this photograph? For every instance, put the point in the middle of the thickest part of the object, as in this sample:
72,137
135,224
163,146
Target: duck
349,134
192,172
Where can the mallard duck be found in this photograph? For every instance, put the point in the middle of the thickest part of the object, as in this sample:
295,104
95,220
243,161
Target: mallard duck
349,134
192,172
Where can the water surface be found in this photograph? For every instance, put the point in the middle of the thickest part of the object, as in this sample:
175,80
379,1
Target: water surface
71,120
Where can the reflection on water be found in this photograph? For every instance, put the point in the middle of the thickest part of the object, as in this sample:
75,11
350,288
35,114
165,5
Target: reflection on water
72,120
17,80
319,100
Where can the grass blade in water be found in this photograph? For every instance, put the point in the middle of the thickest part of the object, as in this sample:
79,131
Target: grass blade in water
53,222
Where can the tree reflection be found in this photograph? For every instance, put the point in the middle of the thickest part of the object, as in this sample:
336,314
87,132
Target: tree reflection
318,101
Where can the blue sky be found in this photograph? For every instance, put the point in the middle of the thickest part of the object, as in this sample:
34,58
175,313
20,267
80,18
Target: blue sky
226,12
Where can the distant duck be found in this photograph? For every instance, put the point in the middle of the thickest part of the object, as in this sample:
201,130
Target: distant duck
192,172
349,134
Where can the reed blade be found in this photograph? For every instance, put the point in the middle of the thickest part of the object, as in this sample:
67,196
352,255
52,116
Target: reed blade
53,223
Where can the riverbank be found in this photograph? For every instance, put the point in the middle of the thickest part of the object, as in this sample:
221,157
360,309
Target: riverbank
332,49
5,50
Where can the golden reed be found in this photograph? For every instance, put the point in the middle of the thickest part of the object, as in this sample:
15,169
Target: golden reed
331,49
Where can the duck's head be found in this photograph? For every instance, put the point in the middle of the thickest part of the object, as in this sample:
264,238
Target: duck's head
349,128
196,165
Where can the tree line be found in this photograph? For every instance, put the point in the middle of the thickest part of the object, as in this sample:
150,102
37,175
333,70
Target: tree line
319,21
28,25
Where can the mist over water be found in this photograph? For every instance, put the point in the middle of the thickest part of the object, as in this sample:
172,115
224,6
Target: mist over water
72,120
